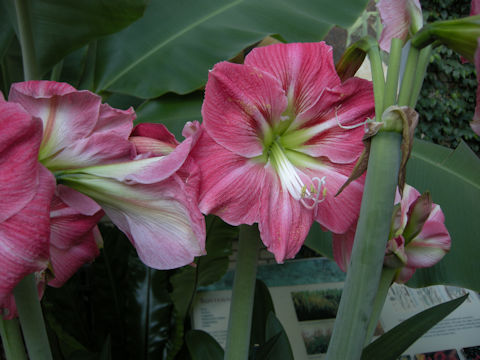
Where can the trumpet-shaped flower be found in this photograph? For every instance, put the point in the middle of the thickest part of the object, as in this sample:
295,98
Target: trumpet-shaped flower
418,236
85,144
400,18
281,135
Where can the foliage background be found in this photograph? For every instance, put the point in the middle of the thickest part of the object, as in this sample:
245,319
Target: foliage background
447,101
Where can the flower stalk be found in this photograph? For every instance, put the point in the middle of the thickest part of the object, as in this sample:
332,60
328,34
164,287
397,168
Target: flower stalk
241,307
25,34
12,339
373,228
31,319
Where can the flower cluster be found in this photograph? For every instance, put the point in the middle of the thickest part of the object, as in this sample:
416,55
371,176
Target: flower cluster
66,159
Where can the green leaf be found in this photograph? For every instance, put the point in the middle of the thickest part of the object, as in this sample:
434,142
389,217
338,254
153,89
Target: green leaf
172,110
320,241
209,269
452,177
6,31
394,342
172,46
62,26
203,346
262,307
277,345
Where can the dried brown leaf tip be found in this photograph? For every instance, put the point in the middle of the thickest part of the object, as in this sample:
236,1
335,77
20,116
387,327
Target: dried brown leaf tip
400,119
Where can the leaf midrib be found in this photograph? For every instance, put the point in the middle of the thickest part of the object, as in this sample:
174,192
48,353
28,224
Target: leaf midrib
168,40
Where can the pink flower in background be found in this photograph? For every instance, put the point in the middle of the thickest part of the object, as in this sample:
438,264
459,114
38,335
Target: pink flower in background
279,140
400,18
418,236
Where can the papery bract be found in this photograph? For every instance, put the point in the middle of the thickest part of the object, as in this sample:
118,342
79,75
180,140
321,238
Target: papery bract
400,18
280,138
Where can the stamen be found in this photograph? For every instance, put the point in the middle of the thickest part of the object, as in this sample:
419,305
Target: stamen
315,194
348,127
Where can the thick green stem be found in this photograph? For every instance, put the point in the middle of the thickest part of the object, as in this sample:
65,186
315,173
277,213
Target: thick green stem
241,307
378,78
391,86
12,339
385,281
31,319
408,77
25,34
372,232
423,61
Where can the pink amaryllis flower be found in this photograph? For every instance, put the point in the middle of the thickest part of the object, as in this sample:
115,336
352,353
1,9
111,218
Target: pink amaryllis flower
86,145
400,18
418,236
280,138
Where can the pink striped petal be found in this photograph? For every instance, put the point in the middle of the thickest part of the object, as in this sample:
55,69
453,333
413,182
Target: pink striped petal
327,122
338,213
160,220
244,100
475,7
78,130
231,184
76,200
72,240
404,274
303,69
284,222
20,138
342,247
24,237
429,247
151,169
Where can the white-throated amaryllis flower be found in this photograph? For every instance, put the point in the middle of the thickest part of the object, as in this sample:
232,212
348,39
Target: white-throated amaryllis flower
281,135
418,236
400,18
26,189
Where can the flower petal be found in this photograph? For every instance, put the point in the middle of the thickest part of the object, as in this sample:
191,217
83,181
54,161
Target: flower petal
231,184
148,170
429,246
24,237
72,240
342,245
241,103
303,69
325,125
284,222
160,220
20,138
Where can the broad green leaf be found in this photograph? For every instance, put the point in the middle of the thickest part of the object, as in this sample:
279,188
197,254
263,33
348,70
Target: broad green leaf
394,342
209,268
262,307
172,110
6,31
62,26
171,48
277,345
202,346
453,179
